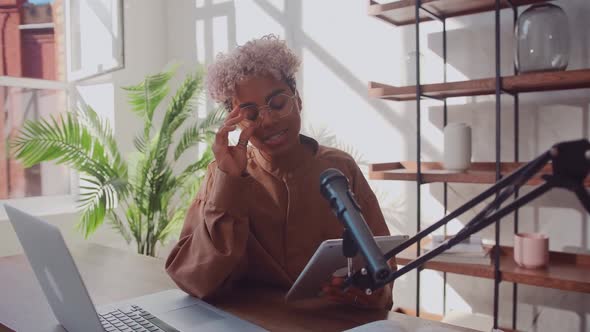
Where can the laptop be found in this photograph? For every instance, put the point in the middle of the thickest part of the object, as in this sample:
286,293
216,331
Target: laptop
56,271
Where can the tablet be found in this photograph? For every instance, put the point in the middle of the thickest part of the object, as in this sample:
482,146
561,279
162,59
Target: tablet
326,260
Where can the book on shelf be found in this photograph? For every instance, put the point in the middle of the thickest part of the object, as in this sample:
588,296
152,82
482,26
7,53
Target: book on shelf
459,259
470,251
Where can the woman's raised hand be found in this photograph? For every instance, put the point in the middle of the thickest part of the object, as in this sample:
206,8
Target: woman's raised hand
232,159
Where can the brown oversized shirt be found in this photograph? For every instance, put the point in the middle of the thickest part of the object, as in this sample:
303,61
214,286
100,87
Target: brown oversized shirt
267,225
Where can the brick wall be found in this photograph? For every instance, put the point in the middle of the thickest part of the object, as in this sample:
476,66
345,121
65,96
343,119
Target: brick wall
10,64
35,14
10,42
38,47
31,53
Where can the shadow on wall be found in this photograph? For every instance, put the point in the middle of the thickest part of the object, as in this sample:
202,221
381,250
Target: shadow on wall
326,138
199,22
300,41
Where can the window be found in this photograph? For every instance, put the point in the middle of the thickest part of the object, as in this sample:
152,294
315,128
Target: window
46,47
95,35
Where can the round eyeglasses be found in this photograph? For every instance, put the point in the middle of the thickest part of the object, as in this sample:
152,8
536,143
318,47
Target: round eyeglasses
279,106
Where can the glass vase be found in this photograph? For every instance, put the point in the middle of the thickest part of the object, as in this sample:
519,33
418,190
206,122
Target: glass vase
542,39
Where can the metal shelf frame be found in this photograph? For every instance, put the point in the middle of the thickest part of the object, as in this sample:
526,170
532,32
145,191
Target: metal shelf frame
498,130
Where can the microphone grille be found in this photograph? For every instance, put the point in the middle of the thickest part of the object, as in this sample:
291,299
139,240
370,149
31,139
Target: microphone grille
329,174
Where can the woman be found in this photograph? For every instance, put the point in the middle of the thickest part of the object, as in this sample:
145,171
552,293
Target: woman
259,214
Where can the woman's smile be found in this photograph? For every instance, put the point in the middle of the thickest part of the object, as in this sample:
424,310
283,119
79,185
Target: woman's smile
276,139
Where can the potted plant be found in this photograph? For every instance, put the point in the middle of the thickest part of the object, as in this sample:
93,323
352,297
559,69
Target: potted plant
145,198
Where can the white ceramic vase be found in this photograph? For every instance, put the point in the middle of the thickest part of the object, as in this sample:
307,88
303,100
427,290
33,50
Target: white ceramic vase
457,147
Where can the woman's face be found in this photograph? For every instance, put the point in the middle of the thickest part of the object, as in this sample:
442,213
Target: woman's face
278,130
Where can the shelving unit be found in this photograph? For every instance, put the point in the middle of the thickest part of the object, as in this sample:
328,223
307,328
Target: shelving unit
531,82
403,12
566,271
479,172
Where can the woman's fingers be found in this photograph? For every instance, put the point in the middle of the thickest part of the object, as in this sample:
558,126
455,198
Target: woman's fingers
233,120
352,295
234,112
347,300
346,297
248,131
244,138
337,281
232,116
357,292
221,137
335,291
228,125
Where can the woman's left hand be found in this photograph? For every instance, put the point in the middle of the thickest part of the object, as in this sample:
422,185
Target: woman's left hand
379,299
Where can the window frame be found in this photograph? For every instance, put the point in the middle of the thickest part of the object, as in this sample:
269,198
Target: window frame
51,204
61,204
81,76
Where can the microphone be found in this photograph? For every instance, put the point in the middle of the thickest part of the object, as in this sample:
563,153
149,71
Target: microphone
335,188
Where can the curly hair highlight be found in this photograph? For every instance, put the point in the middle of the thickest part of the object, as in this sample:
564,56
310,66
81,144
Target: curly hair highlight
263,56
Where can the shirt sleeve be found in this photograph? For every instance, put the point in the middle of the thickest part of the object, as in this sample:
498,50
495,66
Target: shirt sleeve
368,202
211,250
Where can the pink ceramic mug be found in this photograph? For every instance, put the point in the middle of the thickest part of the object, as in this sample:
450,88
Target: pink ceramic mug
531,250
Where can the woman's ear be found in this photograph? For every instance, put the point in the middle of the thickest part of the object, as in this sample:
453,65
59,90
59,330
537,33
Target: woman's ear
299,103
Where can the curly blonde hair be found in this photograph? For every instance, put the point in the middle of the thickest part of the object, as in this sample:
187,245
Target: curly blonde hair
263,56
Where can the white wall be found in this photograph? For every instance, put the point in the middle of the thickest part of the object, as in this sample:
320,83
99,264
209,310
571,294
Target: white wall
342,49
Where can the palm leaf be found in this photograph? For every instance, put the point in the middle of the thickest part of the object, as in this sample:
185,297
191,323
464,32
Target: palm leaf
140,143
67,141
327,138
176,217
182,103
97,200
201,164
145,97
154,198
134,220
195,133
155,173
141,176
94,204
93,216
102,130
352,151
64,141
118,225
161,183
189,181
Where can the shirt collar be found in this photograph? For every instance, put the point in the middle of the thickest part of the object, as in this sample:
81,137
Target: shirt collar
292,160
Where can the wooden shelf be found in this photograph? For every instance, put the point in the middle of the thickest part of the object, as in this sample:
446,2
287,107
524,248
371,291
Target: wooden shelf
479,172
529,82
402,12
566,271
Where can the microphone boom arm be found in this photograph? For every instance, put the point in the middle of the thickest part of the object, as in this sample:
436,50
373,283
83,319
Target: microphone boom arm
570,161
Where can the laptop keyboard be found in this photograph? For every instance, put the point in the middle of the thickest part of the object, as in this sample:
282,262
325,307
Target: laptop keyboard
133,319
